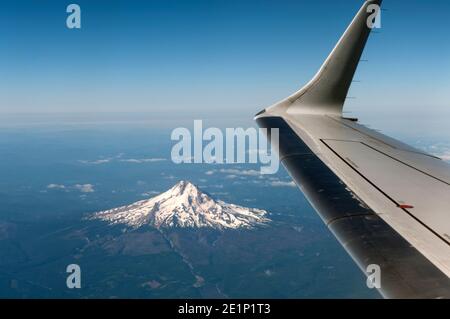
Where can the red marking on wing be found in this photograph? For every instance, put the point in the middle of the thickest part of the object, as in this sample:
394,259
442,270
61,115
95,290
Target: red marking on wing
405,206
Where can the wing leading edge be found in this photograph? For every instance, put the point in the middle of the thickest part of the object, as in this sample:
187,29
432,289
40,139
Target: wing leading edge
371,205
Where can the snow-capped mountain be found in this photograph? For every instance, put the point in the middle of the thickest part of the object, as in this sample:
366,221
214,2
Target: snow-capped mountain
184,205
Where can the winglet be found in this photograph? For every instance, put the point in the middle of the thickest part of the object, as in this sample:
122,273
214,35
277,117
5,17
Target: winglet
327,91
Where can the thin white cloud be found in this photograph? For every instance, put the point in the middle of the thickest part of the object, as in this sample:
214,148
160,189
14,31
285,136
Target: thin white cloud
282,184
268,273
85,188
150,193
234,171
249,172
96,162
56,186
142,160
119,158
444,156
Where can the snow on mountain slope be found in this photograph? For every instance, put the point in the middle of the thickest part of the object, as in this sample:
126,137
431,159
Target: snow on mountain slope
184,205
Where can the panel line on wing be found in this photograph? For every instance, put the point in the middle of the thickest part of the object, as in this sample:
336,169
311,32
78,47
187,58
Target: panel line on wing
400,161
378,139
385,194
391,157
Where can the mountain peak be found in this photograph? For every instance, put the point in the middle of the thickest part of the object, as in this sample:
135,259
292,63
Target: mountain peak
185,206
184,187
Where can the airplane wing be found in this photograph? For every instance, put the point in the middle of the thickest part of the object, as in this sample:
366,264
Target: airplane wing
387,203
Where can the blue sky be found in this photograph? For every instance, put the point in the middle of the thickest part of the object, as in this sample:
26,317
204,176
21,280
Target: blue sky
214,58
